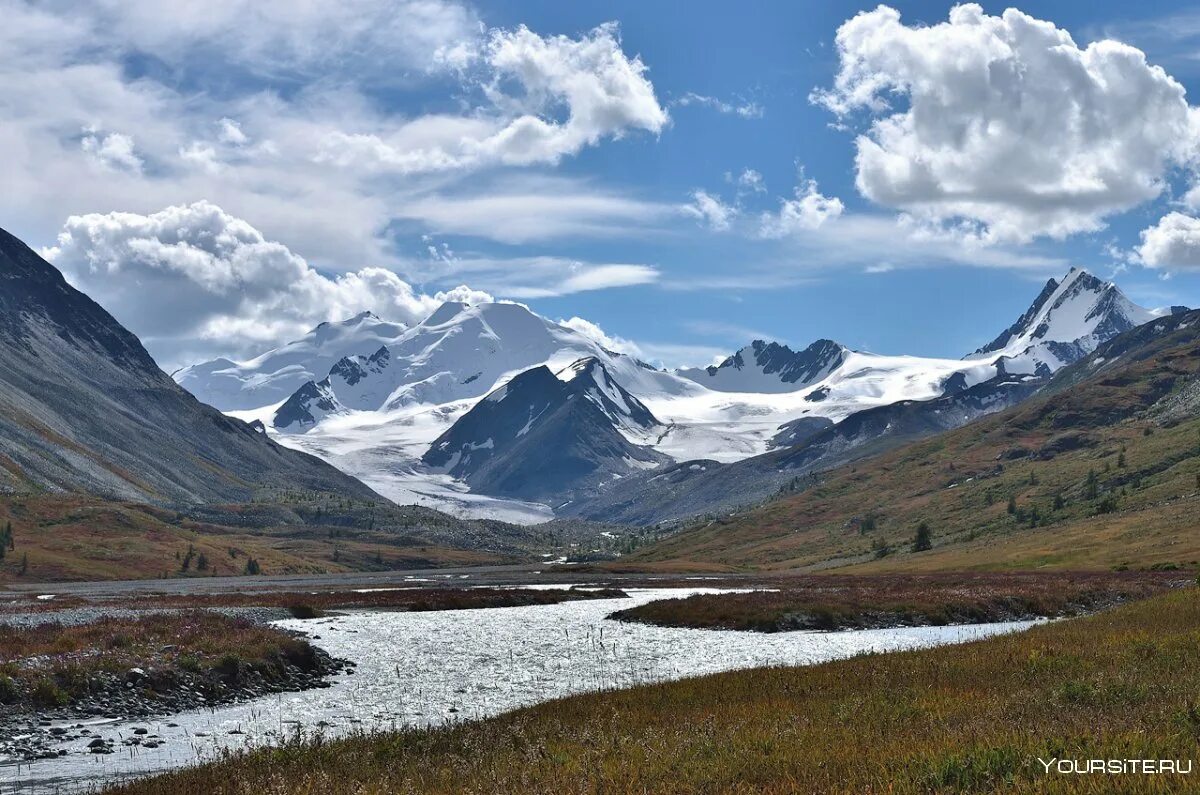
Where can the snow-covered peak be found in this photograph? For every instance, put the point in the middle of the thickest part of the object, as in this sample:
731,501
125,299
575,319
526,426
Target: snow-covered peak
465,351
589,378
770,367
1066,322
274,375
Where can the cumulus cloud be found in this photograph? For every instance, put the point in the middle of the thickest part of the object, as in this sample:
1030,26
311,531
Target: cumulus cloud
193,279
1005,121
1173,243
593,332
809,209
601,92
710,211
113,151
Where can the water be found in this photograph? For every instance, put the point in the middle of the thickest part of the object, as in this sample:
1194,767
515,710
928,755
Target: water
417,669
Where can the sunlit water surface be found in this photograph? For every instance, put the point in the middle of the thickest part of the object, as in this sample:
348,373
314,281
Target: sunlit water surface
431,668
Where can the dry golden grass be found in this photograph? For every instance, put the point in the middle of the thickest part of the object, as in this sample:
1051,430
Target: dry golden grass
74,537
832,601
970,718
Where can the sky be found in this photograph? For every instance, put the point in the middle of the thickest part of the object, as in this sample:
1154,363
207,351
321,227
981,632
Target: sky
683,177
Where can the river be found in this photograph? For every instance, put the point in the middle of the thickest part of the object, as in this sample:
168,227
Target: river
431,668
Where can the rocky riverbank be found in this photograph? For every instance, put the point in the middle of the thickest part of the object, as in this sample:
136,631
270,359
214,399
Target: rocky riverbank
56,681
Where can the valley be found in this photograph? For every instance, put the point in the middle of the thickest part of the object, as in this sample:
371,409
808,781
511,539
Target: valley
599,398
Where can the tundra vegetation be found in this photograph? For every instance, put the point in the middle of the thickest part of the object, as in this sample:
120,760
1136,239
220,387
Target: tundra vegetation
969,718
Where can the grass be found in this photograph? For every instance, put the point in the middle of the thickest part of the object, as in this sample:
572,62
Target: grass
54,665
74,537
971,718
311,604
828,602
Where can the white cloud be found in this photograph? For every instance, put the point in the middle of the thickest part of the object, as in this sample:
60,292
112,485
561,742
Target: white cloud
808,210
602,92
373,39
1173,243
230,132
593,332
114,151
327,165
710,211
534,277
1005,121
525,210
748,182
662,354
747,110
193,279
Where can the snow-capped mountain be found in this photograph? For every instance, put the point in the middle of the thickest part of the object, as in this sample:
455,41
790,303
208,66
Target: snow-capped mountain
276,374
543,435
1067,321
460,352
770,367
376,410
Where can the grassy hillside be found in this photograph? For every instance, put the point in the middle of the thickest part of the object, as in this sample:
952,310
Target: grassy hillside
969,718
58,538
1101,470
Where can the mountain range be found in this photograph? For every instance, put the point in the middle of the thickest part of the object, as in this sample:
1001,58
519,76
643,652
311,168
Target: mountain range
448,413
1098,469
489,410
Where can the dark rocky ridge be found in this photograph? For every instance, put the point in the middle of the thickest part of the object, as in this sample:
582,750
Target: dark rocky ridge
539,437
84,408
792,367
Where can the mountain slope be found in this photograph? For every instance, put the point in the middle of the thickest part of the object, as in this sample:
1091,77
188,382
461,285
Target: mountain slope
1101,468
542,436
693,488
84,408
274,375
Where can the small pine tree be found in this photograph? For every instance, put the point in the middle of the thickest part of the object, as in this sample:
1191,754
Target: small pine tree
923,541
1012,505
252,567
24,564
8,535
202,562
1120,460
1058,502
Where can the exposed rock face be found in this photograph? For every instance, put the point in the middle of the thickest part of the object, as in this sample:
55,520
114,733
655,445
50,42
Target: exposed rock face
542,436
770,367
83,407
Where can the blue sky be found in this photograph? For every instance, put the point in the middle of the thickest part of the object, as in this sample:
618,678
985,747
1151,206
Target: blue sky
665,171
